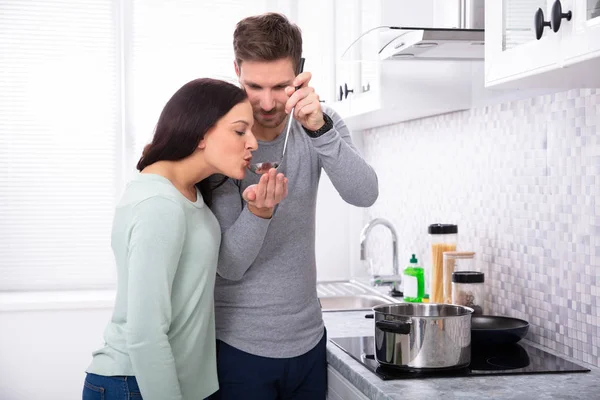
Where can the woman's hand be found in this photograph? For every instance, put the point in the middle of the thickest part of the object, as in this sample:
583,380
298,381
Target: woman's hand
264,196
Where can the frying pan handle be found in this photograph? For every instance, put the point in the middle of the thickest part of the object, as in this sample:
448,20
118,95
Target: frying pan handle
399,327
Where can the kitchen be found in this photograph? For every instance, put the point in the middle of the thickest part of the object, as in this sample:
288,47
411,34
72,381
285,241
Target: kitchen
505,148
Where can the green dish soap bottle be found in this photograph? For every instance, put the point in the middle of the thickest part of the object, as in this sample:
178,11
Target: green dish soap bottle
414,282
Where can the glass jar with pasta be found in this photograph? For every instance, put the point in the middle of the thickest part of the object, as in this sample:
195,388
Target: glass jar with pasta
443,238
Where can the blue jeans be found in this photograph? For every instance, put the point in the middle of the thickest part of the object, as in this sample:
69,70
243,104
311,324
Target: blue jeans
250,377
98,387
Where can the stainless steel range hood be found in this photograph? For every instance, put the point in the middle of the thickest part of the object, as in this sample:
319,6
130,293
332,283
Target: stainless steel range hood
463,40
434,44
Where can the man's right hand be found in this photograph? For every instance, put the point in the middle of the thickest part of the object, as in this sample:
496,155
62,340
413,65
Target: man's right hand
264,196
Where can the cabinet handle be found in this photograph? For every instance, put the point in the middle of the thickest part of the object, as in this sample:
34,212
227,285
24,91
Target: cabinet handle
346,91
343,93
539,23
558,15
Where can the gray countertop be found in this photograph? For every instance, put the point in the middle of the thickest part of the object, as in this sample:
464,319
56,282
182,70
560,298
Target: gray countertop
522,387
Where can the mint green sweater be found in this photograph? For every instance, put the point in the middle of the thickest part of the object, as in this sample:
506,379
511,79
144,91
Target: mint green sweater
162,330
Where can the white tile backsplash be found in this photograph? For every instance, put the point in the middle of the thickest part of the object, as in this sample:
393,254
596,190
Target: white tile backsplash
521,180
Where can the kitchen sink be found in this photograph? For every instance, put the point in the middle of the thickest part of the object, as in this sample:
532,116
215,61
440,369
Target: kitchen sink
358,302
350,296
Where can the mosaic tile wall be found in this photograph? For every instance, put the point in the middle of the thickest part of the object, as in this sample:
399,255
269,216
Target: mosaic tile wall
522,181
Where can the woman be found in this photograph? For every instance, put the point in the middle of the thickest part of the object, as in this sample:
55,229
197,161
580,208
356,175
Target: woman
160,342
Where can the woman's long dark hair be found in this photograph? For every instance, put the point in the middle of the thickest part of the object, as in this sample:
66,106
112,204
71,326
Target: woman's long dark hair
185,119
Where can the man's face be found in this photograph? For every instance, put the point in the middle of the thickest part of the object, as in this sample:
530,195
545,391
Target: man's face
265,83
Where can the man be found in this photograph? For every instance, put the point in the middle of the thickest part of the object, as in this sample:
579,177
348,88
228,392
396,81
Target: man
270,331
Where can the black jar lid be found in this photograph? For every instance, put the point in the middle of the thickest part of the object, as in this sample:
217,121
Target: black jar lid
468,277
441,229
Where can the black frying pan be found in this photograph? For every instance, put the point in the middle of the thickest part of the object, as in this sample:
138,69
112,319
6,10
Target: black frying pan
495,330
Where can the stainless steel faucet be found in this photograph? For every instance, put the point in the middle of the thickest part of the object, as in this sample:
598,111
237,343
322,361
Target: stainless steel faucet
396,278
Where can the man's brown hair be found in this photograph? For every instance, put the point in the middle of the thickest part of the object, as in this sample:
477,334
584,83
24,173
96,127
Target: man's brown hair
267,37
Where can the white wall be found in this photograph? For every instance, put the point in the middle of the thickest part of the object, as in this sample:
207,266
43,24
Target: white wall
332,235
338,230
43,354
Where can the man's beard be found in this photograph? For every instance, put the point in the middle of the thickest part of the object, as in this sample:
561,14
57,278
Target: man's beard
269,123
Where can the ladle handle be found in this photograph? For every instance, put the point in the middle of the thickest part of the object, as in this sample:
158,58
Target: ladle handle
300,69
289,124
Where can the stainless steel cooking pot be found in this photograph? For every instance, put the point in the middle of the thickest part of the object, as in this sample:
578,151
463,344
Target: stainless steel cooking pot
423,336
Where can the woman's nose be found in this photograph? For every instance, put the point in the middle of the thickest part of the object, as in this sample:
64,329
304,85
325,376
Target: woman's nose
252,143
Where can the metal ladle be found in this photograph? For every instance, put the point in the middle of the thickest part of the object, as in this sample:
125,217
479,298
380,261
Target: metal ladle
264,167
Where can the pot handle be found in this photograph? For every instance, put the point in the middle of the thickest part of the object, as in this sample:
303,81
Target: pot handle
400,327
369,316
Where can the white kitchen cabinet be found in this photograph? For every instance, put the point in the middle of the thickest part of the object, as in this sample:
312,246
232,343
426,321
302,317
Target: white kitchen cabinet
357,69
339,388
515,58
357,61
371,92
584,42
347,26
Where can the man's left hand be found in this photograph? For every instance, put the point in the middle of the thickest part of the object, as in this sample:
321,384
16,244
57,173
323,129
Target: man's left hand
308,108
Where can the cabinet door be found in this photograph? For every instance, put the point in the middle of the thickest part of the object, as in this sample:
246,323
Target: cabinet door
347,29
369,66
584,42
511,49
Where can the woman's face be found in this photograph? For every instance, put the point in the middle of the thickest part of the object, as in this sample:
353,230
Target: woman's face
228,145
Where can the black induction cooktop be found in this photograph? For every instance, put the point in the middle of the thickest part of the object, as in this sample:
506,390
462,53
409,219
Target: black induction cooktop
511,359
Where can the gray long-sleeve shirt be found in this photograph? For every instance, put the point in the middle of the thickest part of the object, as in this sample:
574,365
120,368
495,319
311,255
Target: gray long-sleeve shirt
265,295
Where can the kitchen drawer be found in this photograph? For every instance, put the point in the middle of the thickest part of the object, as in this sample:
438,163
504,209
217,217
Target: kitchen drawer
339,388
